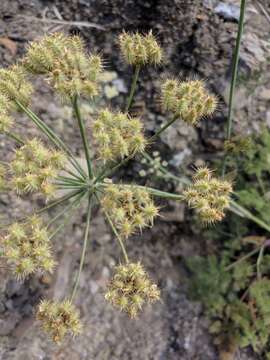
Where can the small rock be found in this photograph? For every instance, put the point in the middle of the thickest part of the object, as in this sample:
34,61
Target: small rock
108,76
268,118
265,94
110,91
178,159
120,85
228,11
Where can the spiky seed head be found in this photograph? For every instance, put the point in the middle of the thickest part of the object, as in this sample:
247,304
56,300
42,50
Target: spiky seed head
14,85
130,288
208,195
26,247
59,318
118,135
35,166
189,100
68,68
138,49
130,208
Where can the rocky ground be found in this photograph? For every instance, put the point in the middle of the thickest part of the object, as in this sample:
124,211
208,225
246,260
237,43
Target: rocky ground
198,38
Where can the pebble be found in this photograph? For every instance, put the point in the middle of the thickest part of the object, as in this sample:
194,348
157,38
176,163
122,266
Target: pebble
110,91
228,11
265,94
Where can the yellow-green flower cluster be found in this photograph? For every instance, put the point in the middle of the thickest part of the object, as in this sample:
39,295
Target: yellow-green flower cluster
14,86
3,183
130,288
140,49
130,207
118,135
208,195
190,100
27,248
6,120
34,168
59,319
63,58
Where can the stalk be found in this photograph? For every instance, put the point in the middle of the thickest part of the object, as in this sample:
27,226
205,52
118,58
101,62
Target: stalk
241,211
83,136
65,210
234,75
133,88
85,243
116,233
53,137
14,137
75,204
164,127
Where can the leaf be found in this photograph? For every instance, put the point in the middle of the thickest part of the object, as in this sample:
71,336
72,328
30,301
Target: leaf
9,44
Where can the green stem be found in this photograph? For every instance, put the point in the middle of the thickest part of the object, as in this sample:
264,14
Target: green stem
164,127
247,256
133,88
14,137
52,136
50,206
234,75
241,211
85,243
164,171
71,180
107,172
66,209
259,261
83,136
120,241
76,203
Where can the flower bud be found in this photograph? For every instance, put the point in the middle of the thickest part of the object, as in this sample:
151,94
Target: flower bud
59,319
130,208
130,288
140,49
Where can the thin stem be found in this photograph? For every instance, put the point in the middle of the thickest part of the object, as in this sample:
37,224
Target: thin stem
164,171
85,243
14,137
71,180
247,256
107,172
67,217
52,136
241,211
133,88
65,210
259,261
78,177
234,75
83,136
116,233
50,206
164,127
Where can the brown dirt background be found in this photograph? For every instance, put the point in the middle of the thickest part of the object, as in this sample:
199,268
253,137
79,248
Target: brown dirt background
196,40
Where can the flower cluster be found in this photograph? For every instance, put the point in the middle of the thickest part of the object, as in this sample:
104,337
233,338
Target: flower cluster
59,318
189,100
70,70
118,135
208,195
130,288
6,120
27,248
130,207
140,49
35,166
14,87
3,183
